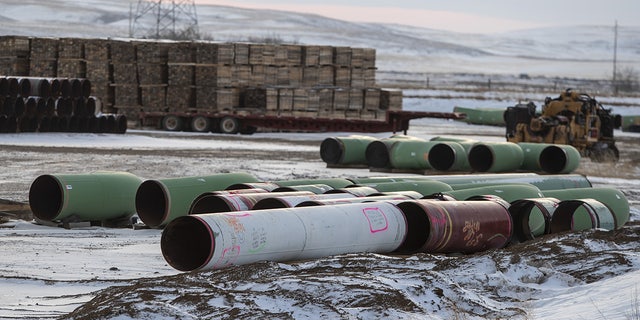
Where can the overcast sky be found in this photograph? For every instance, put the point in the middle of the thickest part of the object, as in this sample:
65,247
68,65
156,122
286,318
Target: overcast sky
480,16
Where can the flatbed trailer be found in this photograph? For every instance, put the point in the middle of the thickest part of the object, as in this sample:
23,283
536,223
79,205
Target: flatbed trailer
247,122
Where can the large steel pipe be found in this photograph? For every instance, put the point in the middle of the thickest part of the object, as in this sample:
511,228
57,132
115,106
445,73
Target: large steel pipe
335,183
372,198
495,157
543,182
412,154
90,197
214,241
449,156
355,190
160,201
210,202
378,152
40,87
424,187
532,217
455,226
508,192
582,214
348,150
268,186
614,199
550,158
315,188
290,201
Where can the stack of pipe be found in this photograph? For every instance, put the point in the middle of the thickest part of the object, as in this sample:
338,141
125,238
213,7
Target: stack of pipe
449,154
277,230
233,218
32,104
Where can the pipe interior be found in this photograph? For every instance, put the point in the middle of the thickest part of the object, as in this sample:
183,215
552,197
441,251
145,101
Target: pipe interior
210,203
377,155
442,157
418,227
331,150
187,243
151,203
310,203
553,159
270,203
46,197
480,158
562,219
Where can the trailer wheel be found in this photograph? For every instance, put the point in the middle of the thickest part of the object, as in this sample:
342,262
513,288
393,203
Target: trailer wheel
229,125
172,123
200,124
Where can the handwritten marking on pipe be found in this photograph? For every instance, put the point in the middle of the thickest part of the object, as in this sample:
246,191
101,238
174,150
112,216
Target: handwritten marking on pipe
472,235
258,240
377,219
228,256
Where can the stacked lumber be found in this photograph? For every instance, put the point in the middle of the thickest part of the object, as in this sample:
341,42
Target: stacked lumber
168,76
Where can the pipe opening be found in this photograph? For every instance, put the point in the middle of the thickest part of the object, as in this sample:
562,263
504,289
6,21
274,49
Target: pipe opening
270,203
572,215
210,203
480,158
46,197
331,150
553,159
418,227
442,157
377,155
310,203
530,219
152,203
187,243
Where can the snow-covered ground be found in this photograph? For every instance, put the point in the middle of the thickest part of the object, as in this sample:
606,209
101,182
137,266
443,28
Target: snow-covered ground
47,272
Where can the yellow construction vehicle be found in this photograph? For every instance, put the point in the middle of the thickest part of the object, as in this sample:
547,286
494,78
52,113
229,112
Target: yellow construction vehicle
572,118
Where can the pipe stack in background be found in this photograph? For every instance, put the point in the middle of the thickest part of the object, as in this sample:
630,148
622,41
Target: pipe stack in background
407,153
229,219
32,104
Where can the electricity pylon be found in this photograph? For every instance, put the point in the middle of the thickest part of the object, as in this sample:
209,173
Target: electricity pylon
160,19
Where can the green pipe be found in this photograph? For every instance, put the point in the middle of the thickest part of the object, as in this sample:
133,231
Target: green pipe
160,201
425,187
550,158
378,152
463,181
450,155
89,197
348,150
531,217
452,139
485,116
508,192
334,183
582,214
315,188
410,154
495,157
614,199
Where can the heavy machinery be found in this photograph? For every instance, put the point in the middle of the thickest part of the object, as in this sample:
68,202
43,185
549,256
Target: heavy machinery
573,118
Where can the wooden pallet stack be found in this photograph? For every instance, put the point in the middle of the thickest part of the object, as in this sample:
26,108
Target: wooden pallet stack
14,55
166,76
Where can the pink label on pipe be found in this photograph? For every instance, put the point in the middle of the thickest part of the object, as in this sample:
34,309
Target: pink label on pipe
377,219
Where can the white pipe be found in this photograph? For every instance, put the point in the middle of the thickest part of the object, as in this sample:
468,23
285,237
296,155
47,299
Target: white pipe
219,240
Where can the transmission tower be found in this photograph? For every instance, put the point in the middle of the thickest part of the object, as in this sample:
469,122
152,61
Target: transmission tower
158,19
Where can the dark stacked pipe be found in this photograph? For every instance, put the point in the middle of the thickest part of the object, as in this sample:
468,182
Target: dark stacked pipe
32,104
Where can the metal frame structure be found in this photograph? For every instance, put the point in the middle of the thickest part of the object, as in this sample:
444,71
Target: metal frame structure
168,17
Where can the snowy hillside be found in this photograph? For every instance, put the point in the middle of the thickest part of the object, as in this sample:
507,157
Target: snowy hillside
580,51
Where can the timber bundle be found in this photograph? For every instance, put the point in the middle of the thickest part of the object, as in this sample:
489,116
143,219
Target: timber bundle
131,76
